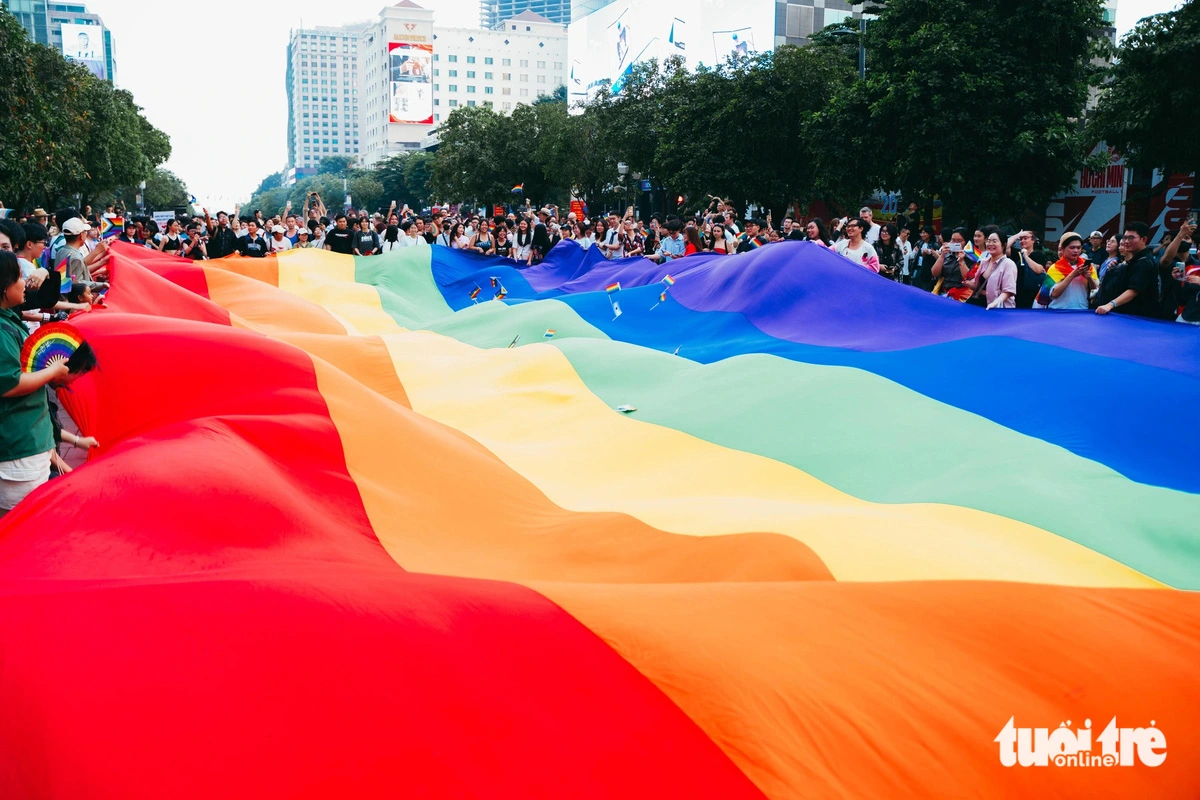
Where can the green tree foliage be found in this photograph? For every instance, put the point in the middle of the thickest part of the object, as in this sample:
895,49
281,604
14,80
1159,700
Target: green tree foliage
577,150
365,190
164,190
272,181
405,178
1148,111
469,161
743,130
336,165
978,101
66,132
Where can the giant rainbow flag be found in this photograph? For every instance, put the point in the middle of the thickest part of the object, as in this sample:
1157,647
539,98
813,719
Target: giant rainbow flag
356,530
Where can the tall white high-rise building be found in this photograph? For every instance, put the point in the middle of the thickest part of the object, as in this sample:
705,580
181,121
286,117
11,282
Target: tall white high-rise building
322,87
413,74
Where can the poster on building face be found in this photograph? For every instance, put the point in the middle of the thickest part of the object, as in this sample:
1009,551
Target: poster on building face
412,92
606,44
1094,204
85,44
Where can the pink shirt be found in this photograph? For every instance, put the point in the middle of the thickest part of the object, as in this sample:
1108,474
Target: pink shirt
1001,278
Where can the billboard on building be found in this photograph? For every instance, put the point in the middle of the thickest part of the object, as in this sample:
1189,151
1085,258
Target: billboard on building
85,44
411,66
606,44
1096,202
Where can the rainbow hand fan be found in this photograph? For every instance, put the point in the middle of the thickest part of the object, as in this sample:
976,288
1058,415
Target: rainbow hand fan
56,341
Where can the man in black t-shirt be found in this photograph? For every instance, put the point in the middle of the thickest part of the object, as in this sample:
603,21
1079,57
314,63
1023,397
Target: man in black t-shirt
340,239
1132,287
252,245
222,240
1031,261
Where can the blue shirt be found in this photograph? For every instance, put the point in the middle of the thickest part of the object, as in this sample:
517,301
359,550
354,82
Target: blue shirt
672,247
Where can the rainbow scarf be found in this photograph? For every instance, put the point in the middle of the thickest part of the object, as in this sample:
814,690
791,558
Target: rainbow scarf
1057,272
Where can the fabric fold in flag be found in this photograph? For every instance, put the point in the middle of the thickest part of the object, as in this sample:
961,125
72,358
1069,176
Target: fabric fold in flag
764,585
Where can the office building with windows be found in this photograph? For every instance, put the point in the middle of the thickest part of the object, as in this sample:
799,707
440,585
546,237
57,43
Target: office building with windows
413,74
494,12
322,90
43,21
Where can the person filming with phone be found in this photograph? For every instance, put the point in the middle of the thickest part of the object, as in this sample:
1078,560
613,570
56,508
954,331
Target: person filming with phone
1185,271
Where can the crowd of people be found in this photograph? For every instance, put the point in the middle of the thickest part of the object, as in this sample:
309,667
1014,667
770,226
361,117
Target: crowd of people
53,265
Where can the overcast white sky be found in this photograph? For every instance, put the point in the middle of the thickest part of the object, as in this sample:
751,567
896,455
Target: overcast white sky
211,75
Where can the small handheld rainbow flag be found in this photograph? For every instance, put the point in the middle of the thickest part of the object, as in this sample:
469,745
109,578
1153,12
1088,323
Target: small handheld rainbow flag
111,226
475,293
64,281
500,295
669,281
662,298
549,334
613,287
495,282
519,188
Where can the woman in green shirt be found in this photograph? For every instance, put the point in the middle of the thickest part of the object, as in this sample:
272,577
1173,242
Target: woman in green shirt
26,435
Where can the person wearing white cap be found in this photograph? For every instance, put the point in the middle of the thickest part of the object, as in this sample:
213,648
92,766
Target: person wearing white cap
73,231
278,241
1094,250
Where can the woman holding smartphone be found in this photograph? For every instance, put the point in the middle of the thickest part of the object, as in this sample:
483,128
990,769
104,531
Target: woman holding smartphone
952,268
997,275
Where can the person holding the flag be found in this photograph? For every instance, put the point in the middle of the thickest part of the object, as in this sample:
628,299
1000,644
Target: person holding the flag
854,246
1070,281
672,245
753,239
26,432
70,256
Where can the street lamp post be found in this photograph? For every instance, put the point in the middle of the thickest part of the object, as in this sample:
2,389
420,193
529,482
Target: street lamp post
862,48
623,171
